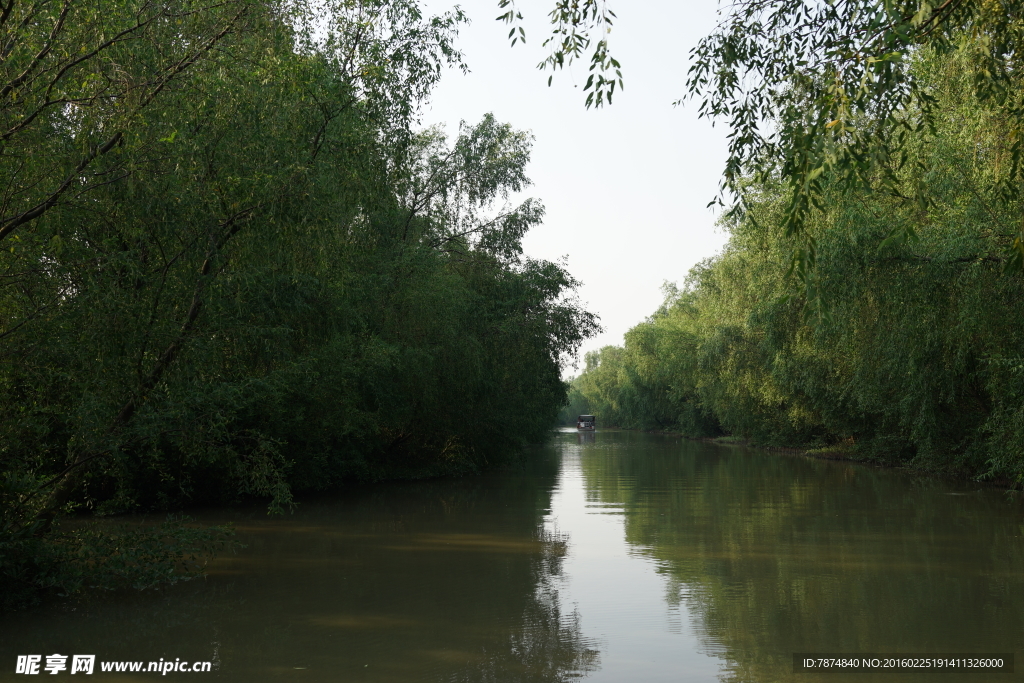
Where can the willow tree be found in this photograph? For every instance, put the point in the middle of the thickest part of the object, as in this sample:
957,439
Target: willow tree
817,92
919,361
153,153
285,286
76,81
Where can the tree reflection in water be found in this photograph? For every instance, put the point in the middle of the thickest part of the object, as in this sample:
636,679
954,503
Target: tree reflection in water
419,581
773,554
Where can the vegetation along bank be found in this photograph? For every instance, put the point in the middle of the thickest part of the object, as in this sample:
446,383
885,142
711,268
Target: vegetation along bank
233,267
886,328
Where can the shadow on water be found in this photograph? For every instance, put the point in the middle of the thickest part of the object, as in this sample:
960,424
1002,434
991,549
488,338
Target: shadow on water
773,554
757,555
448,580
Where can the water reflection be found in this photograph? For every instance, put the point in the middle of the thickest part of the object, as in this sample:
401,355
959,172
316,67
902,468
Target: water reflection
424,581
618,556
585,437
772,554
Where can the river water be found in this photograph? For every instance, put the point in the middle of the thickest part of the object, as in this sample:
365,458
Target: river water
613,556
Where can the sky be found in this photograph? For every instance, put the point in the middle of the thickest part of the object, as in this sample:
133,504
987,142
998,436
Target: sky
626,187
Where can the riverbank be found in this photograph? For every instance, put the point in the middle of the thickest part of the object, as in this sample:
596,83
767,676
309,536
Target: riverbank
841,453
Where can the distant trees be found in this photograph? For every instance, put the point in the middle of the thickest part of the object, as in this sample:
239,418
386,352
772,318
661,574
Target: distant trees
246,273
906,350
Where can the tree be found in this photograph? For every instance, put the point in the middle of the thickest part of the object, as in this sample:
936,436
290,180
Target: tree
826,91
77,77
285,287
816,92
919,361
153,199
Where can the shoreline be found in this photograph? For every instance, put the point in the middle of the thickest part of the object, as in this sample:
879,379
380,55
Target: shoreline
838,455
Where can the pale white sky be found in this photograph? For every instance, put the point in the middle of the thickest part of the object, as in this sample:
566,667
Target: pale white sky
625,187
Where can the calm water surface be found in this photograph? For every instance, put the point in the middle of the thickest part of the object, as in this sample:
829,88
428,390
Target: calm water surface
614,556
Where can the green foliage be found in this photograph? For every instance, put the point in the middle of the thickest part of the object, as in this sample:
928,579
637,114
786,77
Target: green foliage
272,282
820,95
78,80
900,350
573,24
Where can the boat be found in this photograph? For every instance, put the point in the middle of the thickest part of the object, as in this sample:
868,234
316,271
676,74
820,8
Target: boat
586,422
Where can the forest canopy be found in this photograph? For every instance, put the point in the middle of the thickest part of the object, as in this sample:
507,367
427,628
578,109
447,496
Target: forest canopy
233,267
914,353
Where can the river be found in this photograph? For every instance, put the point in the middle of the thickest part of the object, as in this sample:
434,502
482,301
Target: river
612,556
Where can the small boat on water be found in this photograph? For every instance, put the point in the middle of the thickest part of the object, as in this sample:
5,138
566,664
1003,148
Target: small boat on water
586,422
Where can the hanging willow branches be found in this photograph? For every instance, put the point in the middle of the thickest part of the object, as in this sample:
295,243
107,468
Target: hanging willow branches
821,92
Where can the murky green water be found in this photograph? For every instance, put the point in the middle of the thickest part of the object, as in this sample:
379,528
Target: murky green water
615,557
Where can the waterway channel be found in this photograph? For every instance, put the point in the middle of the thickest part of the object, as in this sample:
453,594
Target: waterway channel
614,556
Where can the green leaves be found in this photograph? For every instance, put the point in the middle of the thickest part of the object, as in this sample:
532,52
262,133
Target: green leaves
78,76
886,324
821,92
262,279
574,25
